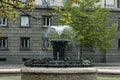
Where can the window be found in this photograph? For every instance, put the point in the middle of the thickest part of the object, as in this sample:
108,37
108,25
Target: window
24,59
3,22
46,21
3,43
46,2
23,1
118,3
64,2
109,2
25,43
118,43
3,59
24,21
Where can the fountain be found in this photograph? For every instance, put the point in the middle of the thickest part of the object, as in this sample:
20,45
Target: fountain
59,39
59,44
59,29
58,51
58,68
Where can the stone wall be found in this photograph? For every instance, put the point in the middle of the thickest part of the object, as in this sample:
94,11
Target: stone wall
15,55
58,74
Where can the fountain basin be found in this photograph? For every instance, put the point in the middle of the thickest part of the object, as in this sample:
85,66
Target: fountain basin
28,73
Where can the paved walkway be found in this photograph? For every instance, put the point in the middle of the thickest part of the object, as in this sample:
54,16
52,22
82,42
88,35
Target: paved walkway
14,69
14,66
11,66
112,70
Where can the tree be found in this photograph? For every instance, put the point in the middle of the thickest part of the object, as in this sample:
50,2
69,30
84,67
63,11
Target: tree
10,8
89,23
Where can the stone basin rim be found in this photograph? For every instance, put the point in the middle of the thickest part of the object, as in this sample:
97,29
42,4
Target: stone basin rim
58,70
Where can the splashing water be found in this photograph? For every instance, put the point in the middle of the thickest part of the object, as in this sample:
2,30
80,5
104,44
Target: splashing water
59,29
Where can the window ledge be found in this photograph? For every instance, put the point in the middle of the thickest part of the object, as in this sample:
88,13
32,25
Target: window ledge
4,26
25,27
25,49
45,27
3,49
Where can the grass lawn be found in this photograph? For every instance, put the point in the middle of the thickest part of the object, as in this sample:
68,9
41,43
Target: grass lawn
108,78
10,77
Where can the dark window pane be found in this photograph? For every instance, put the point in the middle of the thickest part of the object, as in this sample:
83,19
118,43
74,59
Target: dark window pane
4,20
118,23
25,42
22,43
48,22
0,43
43,21
0,21
119,43
3,59
3,42
118,3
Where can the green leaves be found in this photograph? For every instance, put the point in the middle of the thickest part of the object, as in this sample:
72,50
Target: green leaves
90,25
10,8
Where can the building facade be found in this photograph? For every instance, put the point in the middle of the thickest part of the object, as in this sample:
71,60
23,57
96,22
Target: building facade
26,38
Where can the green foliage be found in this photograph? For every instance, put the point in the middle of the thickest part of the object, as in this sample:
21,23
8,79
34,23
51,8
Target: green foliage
90,24
10,8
